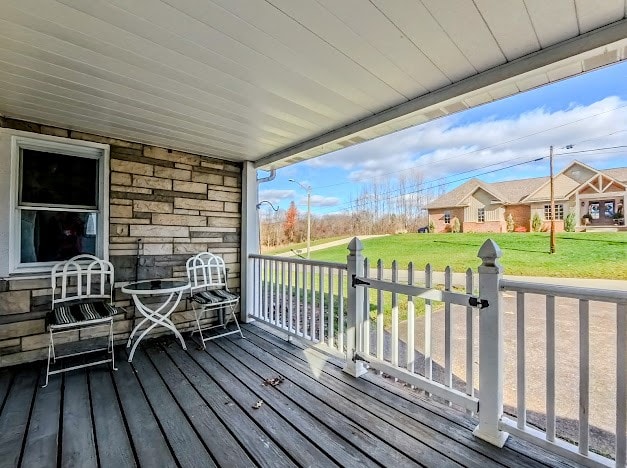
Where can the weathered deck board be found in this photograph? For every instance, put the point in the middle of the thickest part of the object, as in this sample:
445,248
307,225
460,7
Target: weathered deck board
150,444
114,446
215,435
364,443
193,408
43,430
78,445
364,412
268,419
326,439
14,417
451,424
6,376
187,447
260,447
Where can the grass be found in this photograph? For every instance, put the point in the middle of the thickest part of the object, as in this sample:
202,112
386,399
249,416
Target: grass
578,255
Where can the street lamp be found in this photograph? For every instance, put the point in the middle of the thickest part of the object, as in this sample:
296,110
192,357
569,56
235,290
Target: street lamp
307,188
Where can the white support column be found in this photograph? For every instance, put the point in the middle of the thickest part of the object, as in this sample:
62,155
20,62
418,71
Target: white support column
249,240
490,347
355,313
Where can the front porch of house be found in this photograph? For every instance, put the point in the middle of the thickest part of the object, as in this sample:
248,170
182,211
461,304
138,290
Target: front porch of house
193,408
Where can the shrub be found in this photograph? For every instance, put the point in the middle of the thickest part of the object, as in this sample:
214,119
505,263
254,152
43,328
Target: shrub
456,225
569,222
431,227
536,223
510,223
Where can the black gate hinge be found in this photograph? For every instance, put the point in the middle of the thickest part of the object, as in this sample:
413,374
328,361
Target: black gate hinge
359,282
478,303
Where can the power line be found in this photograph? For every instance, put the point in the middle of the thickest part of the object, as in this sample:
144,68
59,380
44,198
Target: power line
390,195
498,144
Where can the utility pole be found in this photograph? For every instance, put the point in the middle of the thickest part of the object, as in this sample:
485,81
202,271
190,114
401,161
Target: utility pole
308,189
552,248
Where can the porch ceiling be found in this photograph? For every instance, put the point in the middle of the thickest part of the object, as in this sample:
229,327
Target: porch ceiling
280,81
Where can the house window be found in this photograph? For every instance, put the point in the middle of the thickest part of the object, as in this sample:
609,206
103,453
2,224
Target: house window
447,217
559,212
59,191
481,215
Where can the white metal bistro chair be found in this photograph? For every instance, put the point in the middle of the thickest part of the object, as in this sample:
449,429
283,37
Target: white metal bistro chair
209,292
82,290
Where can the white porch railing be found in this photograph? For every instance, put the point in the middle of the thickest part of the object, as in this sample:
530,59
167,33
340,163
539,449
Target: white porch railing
330,303
518,426
303,298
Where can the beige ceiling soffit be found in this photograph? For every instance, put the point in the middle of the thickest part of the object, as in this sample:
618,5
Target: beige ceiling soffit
572,47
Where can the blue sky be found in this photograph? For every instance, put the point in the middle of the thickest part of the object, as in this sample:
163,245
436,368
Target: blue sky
588,111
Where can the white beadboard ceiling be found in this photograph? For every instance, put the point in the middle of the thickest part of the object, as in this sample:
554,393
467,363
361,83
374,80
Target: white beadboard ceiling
279,81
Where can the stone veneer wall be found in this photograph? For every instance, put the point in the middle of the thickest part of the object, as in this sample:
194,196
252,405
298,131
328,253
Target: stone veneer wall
179,204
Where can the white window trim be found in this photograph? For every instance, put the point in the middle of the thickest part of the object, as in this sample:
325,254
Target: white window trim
479,220
20,140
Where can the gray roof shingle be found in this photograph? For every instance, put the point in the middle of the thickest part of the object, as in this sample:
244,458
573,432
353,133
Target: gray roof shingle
509,191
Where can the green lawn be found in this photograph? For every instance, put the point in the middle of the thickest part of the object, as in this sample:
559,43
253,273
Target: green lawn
579,255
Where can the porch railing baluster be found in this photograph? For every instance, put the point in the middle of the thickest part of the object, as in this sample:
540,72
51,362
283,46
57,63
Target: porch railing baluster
448,330
621,385
584,375
521,375
550,368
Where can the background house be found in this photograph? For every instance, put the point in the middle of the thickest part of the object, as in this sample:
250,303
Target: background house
484,207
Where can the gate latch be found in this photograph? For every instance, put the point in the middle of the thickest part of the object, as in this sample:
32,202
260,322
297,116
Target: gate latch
478,303
359,282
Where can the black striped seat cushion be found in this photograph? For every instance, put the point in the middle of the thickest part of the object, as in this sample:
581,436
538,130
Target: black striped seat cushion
68,314
215,296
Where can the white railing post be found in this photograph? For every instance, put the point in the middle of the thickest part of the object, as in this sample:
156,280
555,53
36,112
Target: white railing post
490,347
355,310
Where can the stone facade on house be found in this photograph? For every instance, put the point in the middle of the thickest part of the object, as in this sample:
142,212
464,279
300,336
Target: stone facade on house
177,203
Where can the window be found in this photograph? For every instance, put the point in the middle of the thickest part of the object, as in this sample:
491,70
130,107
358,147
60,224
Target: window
447,217
559,212
58,201
481,215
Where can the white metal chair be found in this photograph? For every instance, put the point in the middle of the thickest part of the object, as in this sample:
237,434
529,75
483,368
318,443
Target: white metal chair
209,292
82,290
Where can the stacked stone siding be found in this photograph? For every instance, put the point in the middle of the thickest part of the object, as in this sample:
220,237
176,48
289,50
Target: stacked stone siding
177,203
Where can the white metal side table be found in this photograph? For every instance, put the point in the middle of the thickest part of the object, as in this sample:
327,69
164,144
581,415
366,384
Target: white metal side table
172,289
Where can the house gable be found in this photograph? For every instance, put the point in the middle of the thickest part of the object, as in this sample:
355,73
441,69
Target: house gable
564,183
601,183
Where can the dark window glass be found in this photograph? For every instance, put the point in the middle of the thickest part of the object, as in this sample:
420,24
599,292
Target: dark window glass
58,179
47,236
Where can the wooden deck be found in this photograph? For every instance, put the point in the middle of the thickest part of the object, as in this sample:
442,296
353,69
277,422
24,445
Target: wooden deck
176,408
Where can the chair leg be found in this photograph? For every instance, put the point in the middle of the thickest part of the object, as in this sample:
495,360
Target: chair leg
48,365
54,355
111,346
236,321
202,338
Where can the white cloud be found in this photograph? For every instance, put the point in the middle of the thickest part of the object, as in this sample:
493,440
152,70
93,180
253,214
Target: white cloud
275,196
445,147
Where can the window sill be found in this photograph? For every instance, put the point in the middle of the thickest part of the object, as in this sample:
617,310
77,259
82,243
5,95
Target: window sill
27,276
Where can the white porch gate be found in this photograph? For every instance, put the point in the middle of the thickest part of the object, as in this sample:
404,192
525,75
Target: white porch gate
331,303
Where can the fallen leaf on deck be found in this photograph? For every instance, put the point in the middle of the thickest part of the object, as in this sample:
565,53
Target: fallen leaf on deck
274,381
258,404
